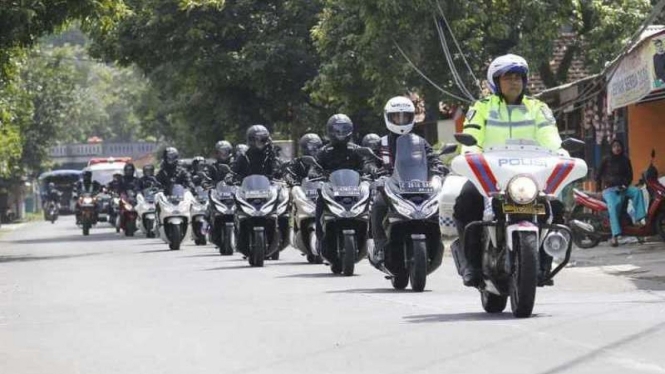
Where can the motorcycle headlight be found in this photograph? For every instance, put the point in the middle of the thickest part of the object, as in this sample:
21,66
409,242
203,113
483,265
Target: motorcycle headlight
87,200
522,189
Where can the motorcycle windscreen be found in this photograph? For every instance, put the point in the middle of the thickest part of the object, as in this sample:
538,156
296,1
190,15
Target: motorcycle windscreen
178,191
410,159
201,193
515,124
344,178
256,186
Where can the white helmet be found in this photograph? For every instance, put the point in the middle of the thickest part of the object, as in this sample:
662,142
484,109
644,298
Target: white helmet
504,64
399,115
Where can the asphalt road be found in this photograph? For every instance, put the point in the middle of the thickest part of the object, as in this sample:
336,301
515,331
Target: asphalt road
110,304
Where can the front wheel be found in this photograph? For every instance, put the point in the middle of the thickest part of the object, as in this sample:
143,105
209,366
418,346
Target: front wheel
524,279
226,245
86,229
258,247
130,228
418,270
349,255
582,239
176,238
493,303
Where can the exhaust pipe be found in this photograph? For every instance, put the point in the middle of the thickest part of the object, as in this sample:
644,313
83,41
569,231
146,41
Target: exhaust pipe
586,227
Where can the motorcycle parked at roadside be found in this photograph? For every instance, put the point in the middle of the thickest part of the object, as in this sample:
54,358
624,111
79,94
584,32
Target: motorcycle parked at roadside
145,209
518,180
199,216
590,220
221,216
414,248
173,215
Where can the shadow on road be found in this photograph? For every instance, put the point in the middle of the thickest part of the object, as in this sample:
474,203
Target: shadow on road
156,251
230,268
312,275
28,258
299,263
377,291
458,317
203,255
71,238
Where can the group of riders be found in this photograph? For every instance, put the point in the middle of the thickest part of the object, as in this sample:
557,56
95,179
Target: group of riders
507,78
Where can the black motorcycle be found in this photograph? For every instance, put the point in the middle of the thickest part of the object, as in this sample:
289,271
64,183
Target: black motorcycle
414,248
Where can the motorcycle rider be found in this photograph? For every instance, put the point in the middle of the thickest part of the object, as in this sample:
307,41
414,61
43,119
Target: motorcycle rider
260,157
129,180
296,170
340,153
170,173
85,185
148,179
201,173
240,149
115,184
223,156
399,116
373,142
52,195
507,76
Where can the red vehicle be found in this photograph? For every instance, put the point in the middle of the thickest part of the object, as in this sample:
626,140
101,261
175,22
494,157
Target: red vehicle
590,220
127,213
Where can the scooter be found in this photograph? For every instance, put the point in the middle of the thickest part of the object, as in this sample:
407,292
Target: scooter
221,216
199,216
259,204
304,198
173,215
345,218
88,212
127,215
414,248
591,223
518,180
145,209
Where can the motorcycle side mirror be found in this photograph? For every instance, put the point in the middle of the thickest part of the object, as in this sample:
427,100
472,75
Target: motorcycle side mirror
572,145
367,153
448,149
465,139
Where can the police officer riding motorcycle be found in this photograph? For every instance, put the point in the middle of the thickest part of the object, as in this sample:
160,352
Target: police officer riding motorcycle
171,173
223,156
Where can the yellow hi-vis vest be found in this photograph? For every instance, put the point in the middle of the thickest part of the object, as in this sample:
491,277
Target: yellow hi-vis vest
492,122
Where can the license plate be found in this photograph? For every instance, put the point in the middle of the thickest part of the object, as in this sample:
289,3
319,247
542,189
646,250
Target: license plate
538,209
257,194
346,191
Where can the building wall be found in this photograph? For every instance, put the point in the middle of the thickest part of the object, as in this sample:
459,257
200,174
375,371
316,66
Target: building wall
646,131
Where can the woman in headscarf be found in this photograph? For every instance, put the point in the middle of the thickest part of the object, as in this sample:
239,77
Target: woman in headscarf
615,177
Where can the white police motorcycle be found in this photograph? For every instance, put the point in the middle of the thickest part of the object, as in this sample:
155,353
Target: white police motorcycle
173,215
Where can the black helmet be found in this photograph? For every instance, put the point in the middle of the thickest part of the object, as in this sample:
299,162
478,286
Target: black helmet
372,141
149,170
117,176
223,151
310,144
170,157
241,149
129,170
87,175
258,137
339,129
198,163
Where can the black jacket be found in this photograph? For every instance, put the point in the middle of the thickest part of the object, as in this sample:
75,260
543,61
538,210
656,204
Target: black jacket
615,171
216,172
147,182
129,184
257,162
333,158
295,171
167,177
93,187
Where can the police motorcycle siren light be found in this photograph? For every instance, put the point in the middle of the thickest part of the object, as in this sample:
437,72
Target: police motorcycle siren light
414,248
518,180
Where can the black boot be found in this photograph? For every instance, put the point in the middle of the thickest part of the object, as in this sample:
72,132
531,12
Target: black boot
470,257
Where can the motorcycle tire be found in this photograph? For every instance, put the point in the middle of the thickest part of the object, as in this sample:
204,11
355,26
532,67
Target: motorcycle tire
660,224
400,280
349,255
524,280
336,267
493,303
258,246
226,248
312,259
176,238
130,228
581,239
418,270
86,229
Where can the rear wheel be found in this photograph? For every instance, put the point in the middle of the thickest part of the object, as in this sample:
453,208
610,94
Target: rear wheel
525,275
418,270
493,303
176,238
258,248
582,239
349,255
